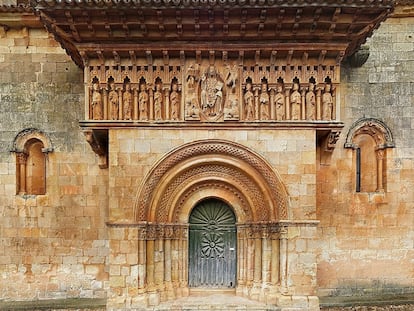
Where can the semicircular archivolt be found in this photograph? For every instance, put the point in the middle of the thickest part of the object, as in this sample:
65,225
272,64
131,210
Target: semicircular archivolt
211,151
217,175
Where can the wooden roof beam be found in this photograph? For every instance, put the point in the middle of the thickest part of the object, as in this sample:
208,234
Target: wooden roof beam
243,22
124,24
89,23
316,18
160,19
211,21
280,19
179,22
262,21
142,24
226,21
72,27
197,22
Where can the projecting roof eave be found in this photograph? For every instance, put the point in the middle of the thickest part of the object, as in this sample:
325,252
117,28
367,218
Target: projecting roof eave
119,27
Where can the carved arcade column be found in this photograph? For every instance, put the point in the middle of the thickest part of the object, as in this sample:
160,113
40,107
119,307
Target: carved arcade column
380,165
21,161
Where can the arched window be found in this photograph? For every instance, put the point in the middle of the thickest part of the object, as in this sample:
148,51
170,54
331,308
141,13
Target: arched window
369,138
31,147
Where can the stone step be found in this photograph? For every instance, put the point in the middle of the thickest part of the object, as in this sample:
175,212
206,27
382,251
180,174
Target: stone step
202,301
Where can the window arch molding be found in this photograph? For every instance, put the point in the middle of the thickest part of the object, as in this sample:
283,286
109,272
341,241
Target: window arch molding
369,136
31,147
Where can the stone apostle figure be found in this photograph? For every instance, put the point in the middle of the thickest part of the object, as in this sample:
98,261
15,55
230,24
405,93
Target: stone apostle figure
96,102
264,103
191,104
280,103
113,101
327,103
310,100
128,102
143,102
295,102
174,101
158,102
249,102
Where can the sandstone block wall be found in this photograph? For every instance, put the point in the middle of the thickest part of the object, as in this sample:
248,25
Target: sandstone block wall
366,244
53,245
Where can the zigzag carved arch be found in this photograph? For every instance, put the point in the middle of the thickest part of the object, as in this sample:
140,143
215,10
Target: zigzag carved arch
211,168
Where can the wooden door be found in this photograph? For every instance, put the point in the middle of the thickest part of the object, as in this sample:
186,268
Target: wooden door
212,245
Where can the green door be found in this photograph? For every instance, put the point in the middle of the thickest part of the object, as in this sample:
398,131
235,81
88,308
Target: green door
212,245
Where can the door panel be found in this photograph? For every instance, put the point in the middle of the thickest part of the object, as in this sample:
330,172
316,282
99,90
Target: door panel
212,245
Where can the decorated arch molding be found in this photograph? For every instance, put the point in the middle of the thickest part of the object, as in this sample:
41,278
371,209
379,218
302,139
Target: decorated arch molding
21,139
377,129
211,168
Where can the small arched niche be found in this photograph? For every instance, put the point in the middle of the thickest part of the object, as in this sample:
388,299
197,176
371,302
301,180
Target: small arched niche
31,147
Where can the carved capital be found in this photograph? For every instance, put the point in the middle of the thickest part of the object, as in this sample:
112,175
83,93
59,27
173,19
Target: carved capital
21,157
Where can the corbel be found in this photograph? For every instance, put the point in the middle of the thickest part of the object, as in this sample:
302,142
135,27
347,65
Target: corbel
322,55
273,58
305,57
84,57
359,57
117,59
100,56
289,57
133,57
326,140
340,57
212,57
98,140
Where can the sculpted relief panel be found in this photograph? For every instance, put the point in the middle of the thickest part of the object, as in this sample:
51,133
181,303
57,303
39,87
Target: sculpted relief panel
212,92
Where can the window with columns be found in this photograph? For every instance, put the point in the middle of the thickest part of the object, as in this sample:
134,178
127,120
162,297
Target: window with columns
369,139
31,147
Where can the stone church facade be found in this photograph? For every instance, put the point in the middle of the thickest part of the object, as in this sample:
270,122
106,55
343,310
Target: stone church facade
150,150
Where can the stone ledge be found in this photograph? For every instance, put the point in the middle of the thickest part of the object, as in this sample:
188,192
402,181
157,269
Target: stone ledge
351,301
55,304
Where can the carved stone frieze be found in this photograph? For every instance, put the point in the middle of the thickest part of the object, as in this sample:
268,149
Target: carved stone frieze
211,92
